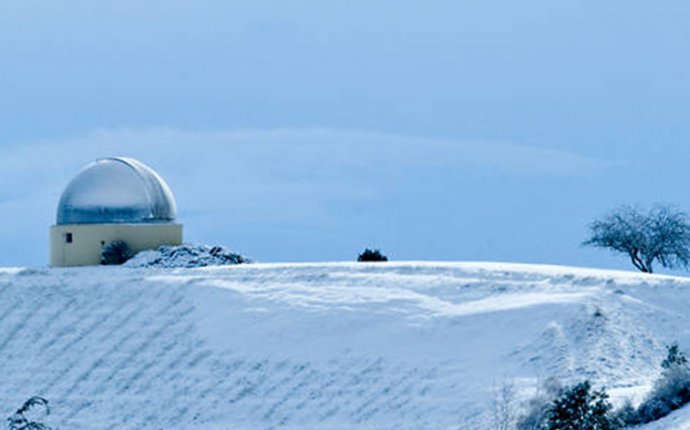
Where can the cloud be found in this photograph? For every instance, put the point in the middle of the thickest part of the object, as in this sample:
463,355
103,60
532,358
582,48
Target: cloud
280,165
325,147
267,179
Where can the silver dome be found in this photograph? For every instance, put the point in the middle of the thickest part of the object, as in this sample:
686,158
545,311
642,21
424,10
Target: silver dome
116,190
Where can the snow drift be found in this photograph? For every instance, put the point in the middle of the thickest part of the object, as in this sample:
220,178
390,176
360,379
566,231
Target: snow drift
323,346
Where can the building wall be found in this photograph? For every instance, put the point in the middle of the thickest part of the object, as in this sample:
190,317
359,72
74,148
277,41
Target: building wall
87,240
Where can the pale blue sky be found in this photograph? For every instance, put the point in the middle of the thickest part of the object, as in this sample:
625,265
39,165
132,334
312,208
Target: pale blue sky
306,130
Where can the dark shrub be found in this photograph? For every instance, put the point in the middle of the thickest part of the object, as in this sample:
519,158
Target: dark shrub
674,357
581,408
671,391
371,255
116,252
627,414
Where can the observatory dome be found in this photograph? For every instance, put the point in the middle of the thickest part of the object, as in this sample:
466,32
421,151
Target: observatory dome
116,190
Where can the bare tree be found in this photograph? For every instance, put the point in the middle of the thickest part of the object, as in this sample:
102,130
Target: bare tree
661,235
537,408
504,407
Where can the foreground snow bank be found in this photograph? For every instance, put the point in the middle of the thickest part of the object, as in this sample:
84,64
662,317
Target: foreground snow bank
323,346
678,420
186,256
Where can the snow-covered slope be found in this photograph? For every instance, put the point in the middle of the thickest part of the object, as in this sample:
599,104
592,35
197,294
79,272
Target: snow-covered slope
679,420
323,346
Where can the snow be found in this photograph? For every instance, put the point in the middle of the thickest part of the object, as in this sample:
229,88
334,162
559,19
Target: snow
412,345
187,255
679,420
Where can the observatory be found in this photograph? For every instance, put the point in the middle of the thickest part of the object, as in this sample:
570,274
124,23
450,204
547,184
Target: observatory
112,201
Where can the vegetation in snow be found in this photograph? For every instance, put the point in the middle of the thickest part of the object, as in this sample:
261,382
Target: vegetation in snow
581,408
504,407
187,255
371,255
671,391
116,252
538,406
578,407
24,418
662,235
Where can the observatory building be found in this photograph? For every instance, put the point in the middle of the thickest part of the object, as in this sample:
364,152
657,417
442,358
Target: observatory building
112,200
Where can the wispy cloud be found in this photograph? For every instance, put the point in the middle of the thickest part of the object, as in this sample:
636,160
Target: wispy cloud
310,177
325,147
211,167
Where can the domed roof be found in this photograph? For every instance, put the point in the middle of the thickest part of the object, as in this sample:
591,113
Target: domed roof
116,190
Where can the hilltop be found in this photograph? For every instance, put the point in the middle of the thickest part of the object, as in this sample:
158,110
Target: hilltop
412,345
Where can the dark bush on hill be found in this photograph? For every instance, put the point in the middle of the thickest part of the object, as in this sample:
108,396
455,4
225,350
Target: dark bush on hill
671,391
579,407
116,252
574,408
371,255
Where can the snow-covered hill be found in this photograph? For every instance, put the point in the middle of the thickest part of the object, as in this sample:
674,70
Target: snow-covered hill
323,346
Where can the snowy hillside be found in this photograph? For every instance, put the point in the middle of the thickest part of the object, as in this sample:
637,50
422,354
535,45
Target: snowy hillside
323,346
